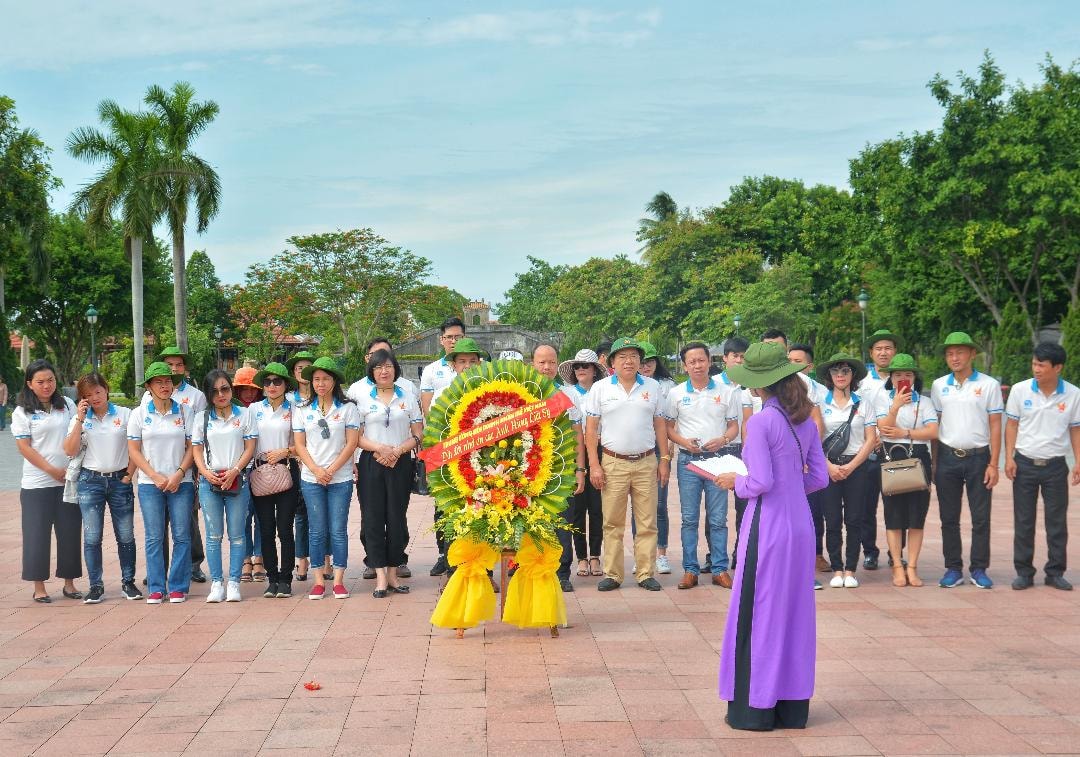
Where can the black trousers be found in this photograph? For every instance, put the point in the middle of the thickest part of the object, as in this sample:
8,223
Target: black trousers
1053,480
588,507
45,511
569,515
277,513
870,510
953,475
814,500
843,504
384,504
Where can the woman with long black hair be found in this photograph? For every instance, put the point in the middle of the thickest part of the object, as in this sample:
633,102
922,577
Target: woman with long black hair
39,425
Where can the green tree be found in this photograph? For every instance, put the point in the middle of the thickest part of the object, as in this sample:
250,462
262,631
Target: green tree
661,209
207,304
598,298
126,187
1011,356
528,301
184,178
1070,340
434,304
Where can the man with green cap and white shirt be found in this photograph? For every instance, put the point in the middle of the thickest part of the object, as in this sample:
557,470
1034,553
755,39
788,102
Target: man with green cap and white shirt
189,396
969,408
882,346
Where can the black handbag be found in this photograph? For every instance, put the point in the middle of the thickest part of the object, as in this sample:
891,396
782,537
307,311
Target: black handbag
419,483
835,443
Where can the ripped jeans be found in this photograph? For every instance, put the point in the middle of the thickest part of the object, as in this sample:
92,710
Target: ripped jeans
219,510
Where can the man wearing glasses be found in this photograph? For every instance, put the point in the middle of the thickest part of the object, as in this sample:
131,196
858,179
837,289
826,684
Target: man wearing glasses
360,392
437,375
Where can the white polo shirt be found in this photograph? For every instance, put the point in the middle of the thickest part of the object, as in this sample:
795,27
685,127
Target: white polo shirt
164,437
964,410
1044,422
435,377
46,432
834,417
700,413
186,394
906,415
106,439
872,384
360,390
577,395
223,442
274,427
734,399
389,424
627,417
815,390
342,416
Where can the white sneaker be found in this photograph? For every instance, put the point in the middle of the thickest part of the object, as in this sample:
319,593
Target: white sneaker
662,564
217,592
850,582
233,592
837,582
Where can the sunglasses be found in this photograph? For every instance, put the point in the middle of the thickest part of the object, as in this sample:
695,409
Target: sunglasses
325,428
275,381
220,390
582,366
840,370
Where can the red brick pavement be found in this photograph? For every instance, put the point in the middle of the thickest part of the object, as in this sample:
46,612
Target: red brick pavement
900,671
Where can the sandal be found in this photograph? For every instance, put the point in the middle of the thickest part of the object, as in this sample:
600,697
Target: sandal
300,576
899,577
245,575
599,569
45,599
913,577
76,594
258,572
583,567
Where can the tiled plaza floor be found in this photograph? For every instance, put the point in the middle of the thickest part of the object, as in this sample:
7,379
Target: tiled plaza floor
900,671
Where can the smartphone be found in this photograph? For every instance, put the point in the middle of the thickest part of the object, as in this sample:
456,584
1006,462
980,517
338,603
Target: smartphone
903,386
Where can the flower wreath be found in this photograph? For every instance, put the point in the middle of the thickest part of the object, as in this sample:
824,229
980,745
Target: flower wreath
498,493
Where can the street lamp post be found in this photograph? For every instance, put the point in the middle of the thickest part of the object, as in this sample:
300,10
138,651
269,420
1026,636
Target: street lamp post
91,318
738,321
217,337
864,300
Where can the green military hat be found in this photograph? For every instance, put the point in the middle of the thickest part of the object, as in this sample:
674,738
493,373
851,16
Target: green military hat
857,367
650,350
172,352
275,369
627,343
903,362
882,335
327,364
764,363
302,355
960,339
158,368
466,346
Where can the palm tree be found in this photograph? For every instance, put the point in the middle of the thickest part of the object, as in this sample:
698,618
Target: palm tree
185,177
126,187
660,208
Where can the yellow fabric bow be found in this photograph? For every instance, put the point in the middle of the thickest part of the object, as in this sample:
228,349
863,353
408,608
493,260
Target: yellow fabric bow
534,598
468,598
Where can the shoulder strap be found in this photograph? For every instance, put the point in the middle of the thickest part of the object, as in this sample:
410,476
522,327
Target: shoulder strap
206,437
802,455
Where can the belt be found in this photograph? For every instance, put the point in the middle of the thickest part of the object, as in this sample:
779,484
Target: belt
698,455
1039,462
844,459
965,452
115,474
628,458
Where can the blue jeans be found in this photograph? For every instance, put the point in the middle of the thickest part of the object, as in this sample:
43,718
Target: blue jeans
252,533
691,487
328,510
94,492
220,511
153,503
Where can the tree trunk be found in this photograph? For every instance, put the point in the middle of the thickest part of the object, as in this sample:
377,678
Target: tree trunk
137,307
179,289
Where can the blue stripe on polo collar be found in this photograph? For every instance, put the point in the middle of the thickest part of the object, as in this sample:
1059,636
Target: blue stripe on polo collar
914,395
873,371
829,398
724,377
112,409
710,385
581,391
638,378
174,410
1059,390
397,391
952,378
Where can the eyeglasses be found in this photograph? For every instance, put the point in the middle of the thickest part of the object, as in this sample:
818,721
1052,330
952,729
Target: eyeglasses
325,428
452,337
840,370
273,381
220,390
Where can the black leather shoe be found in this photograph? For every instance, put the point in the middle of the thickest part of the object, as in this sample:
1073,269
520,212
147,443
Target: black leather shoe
369,573
607,584
78,594
870,563
197,574
440,567
565,585
403,571
380,593
650,584
1023,582
400,589
1058,582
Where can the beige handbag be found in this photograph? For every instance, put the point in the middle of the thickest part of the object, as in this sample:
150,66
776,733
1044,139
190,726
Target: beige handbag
902,476
269,478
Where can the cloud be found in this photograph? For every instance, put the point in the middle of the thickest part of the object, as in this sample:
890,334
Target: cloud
881,44
55,34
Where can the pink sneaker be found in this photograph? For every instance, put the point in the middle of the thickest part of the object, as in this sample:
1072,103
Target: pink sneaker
316,592
176,597
340,592
155,598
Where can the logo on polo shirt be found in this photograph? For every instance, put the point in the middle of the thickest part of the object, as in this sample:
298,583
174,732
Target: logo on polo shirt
686,400
87,425
185,401
645,396
335,417
828,411
259,415
236,423
944,390
1061,407
287,416
1027,403
117,422
978,392
311,416
148,420
178,422
402,405
717,400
